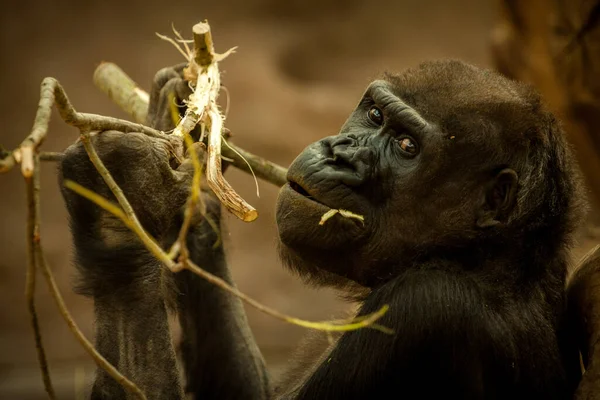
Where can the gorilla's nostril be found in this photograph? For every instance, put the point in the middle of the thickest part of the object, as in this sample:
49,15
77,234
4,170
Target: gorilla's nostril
343,159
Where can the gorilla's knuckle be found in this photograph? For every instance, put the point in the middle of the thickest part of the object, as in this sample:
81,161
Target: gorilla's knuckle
134,142
117,149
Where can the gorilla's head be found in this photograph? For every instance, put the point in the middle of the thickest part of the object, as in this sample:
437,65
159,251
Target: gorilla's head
440,159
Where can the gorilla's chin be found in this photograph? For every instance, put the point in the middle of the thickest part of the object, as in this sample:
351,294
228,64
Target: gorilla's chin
320,254
298,223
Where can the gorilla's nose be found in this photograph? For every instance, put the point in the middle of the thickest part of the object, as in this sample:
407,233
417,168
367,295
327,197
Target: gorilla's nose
350,156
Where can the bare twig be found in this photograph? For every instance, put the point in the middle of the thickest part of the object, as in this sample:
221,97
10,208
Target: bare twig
51,156
203,74
344,213
85,343
52,93
123,202
28,156
128,96
126,93
253,164
328,326
33,237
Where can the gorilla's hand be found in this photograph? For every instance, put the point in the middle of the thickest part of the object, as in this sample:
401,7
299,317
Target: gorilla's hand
143,167
153,178
147,169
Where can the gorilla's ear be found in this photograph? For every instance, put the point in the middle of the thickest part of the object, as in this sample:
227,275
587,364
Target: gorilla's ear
500,198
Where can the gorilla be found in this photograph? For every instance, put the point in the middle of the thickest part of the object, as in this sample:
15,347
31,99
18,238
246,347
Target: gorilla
470,197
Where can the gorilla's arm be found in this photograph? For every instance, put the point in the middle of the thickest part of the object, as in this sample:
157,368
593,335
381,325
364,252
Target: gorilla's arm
220,356
132,292
126,282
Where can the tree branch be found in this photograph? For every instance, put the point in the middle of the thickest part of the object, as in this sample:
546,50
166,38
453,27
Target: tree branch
33,239
203,74
53,93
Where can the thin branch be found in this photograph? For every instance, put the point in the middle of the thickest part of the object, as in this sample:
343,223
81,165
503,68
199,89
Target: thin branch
328,326
51,156
214,175
359,323
85,343
127,91
51,93
248,162
33,237
128,96
203,74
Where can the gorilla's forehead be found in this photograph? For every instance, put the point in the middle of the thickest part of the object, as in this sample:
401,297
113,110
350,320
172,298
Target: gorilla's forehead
453,85
453,95
381,91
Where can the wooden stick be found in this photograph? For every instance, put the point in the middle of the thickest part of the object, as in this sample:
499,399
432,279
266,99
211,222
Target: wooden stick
33,238
203,74
85,343
214,175
127,94
203,44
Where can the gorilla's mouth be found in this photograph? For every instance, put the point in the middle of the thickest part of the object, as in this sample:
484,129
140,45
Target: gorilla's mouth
299,189
314,205
296,187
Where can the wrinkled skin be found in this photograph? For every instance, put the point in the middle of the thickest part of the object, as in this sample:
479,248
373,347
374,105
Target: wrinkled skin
469,197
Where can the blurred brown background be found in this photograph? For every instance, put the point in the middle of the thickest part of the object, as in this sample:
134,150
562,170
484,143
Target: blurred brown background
299,70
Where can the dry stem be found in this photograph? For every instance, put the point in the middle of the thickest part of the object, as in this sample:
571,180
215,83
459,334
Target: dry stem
126,93
203,73
27,154
110,79
86,344
33,238
344,213
52,92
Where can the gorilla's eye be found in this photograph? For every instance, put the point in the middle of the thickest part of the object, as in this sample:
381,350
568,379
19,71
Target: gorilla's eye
408,145
375,115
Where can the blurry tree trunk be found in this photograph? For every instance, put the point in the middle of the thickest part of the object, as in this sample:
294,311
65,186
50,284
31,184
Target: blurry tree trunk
555,45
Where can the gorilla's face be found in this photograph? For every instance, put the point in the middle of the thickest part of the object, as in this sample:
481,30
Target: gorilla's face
394,163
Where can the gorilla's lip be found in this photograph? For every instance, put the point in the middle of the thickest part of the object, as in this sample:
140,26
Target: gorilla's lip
296,187
299,192
299,189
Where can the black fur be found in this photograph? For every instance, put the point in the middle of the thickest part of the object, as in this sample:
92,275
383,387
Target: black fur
465,239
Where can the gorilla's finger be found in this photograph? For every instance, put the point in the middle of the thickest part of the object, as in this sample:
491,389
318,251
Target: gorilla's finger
160,79
169,105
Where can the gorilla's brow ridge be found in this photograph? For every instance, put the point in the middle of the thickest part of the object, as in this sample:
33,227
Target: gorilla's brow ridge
381,94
